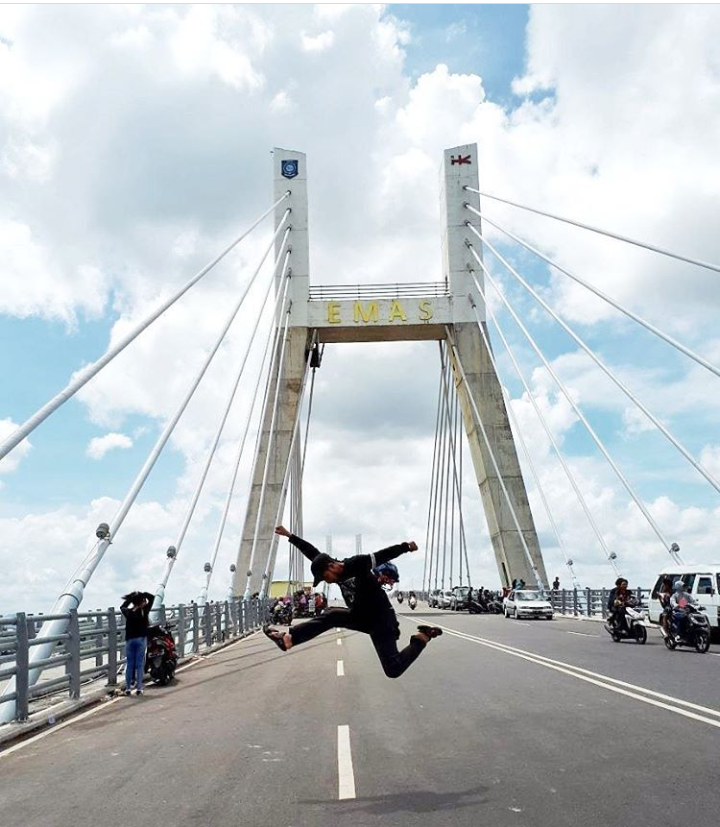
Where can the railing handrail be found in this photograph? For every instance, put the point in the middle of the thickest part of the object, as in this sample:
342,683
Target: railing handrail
102,640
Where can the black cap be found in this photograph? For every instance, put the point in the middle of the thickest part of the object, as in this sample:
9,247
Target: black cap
318,566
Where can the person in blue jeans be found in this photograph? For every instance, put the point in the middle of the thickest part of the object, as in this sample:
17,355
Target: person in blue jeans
136,609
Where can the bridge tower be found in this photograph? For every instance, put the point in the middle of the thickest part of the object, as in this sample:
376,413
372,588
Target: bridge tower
446,310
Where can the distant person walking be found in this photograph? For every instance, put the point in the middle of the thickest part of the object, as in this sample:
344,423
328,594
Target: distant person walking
136,609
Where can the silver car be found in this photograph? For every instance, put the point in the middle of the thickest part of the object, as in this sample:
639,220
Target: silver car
444,599
527,603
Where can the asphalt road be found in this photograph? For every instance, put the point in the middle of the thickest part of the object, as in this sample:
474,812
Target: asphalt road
499,722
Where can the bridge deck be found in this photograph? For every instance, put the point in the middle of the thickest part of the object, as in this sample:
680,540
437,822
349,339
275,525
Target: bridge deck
470,735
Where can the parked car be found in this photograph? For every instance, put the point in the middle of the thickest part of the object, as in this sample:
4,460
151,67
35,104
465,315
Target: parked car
433,598
444,599
459,600
527,603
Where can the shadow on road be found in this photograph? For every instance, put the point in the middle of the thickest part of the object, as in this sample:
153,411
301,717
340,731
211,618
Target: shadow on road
411,801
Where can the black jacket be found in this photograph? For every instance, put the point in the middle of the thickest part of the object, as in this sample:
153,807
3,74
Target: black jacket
363,595
136,621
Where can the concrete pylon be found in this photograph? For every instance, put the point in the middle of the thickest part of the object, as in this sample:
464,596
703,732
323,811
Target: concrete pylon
459,171
392,312
484,386
290,174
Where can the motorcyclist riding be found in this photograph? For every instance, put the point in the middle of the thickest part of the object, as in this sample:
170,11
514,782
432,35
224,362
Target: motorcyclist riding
620,597
679,601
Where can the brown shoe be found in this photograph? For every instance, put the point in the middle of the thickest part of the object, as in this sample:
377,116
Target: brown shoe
430,631
276,637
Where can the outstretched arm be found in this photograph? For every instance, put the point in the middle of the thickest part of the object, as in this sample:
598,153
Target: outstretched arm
306,548
365,562
390,553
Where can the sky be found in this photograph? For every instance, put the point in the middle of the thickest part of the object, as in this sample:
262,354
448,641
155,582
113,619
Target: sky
135,145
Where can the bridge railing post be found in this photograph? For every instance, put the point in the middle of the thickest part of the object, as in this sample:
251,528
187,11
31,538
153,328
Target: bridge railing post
207,625
588,597
181,629
22,667
73,648
603,598
99,640
227,631
196,628
575,602
112,647
564,601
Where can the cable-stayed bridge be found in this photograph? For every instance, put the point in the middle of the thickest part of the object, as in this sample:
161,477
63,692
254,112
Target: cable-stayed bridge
521,718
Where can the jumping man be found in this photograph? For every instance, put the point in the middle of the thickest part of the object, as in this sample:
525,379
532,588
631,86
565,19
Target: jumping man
361,579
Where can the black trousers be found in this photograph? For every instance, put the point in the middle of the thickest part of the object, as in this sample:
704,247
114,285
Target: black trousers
384,638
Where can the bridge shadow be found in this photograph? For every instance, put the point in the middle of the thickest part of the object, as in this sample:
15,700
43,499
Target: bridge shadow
410,801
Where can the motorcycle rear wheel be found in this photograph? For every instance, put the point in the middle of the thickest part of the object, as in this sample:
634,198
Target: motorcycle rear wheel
669,642
702,641
640,634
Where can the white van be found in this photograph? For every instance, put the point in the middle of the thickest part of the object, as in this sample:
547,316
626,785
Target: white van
701,580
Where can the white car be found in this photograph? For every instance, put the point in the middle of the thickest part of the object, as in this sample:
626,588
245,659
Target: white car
527,603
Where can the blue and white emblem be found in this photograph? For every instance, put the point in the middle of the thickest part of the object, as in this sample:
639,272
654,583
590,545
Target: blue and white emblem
289,169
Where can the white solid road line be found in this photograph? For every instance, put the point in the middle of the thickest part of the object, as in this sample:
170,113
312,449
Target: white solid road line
340,669
346,776
603,681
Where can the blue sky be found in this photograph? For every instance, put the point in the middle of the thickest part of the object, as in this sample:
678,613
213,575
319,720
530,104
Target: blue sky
108,202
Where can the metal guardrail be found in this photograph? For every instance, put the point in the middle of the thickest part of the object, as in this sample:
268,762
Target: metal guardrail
588,602
369,292
93,646
579,602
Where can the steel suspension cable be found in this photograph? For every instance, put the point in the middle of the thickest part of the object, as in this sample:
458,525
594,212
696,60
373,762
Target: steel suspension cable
440,490
272,341
446,471
283,489
160,592
428,551
546,427
87,373
575,407
278,302
605,369
266,467
491,453
516,427
454,441
697,262
73,594
629,313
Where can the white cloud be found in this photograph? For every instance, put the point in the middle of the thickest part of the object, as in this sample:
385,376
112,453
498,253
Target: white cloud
174,163
317,43
100,445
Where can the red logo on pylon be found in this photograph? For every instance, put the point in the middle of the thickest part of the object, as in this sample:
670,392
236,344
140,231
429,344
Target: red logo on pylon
461,159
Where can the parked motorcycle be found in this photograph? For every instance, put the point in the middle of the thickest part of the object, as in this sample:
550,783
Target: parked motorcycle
632,626
161,657
695,628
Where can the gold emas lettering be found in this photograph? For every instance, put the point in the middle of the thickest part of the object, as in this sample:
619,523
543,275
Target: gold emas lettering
370,316
426,311
396,311
334,313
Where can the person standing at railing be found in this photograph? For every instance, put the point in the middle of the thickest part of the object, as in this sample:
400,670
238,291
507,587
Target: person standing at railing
136,610
556,584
